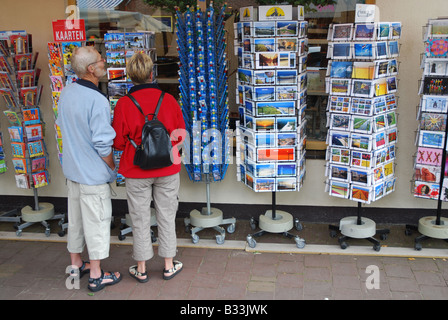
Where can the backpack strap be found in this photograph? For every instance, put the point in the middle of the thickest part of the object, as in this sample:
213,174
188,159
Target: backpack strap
130,96
140,109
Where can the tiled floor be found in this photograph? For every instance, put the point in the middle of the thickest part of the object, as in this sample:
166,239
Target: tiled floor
35,269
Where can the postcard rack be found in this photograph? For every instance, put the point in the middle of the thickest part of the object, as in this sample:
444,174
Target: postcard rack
362,119
203,91
430,180
19,78
271,93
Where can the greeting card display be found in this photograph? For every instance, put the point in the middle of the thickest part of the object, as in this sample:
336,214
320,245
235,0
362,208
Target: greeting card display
361,113
271,94
22,93
430,175
120,46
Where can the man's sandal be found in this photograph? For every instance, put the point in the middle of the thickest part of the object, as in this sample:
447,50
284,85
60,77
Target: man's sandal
97,283
136,274
81,271
177,267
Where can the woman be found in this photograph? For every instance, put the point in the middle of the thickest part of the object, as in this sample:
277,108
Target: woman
161,185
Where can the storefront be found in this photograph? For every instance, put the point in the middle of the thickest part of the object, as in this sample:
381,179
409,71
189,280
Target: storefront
312,203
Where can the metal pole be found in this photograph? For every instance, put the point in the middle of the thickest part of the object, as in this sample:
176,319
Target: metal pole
273,205
36,200
208,195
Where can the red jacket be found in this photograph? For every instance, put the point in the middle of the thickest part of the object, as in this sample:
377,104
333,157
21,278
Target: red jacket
128,121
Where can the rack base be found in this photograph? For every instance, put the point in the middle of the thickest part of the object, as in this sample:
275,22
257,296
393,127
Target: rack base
126,226
282,223
355,227
208,218
31,216
429,228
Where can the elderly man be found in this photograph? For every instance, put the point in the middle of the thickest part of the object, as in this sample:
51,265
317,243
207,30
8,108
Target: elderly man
88,165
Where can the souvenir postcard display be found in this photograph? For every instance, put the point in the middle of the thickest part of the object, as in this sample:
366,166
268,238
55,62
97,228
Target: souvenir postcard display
201,44
431,171
19,87
362,78
61,74
271,94
120,46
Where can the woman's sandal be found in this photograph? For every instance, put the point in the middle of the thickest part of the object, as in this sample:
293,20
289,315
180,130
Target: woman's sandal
98,282
136,274
177,267
82,270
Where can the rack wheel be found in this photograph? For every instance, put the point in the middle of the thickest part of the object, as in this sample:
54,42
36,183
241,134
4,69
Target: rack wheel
383,236
47,232
377,247
19,233
344,245
407,232
251,241
61,233
298,225
231,228
194,238
121,237
418,246
333,233
220,239
300,243
253,225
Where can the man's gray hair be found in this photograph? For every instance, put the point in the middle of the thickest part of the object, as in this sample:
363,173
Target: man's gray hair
81,58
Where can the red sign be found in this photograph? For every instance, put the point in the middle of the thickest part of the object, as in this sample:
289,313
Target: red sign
69,30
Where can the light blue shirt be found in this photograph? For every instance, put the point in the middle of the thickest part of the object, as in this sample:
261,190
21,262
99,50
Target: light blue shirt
87,135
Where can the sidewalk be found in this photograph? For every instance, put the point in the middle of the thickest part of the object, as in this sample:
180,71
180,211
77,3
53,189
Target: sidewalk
33,267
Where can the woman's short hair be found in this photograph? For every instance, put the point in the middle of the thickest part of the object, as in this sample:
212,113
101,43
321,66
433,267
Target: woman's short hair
81,58
139,68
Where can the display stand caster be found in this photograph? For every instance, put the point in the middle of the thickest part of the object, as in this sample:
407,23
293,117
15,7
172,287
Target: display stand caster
208,217
357,227
435,227
275,221
126,226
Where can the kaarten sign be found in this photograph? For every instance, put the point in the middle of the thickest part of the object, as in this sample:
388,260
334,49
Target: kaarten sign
69,30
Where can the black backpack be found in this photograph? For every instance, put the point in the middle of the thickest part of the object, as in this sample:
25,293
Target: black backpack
155,150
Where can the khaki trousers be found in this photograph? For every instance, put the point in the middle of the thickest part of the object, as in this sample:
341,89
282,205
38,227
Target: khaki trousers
89,218
164,191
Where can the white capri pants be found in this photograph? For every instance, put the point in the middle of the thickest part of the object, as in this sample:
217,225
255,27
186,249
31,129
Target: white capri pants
164,191
89,218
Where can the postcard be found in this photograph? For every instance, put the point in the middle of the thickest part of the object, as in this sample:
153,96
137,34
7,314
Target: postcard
363,70
393,67
264,170
22,181
364,32
265,139
342,50
287,44
286,92
391,84
361,159
267,60
245,76
286,169
20,165
381,50
362,177
426,190
380,123
263,93
389,185
275,154
264,44
18,149
267,124
393,49
364,50
286,139
339,189
264,29
438,28
262,77
383,31
341,32
38,164
340,121
378,174
362,88
388,169
379,140
33,132
361,106
339,139
361,194
341,87
433,121
338,155
395,30
381,68
341,69
40,179
286,184
264,184
278,108
16,133
429,156
392,134
340,173
36,148
287,28
378,191
361,124
361,142
432,103
431,139
435,85
427,173
286,124
286,77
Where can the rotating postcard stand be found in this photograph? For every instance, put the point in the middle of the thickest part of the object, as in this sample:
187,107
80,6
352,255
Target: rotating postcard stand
271,92
362,120
431,176
204,103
